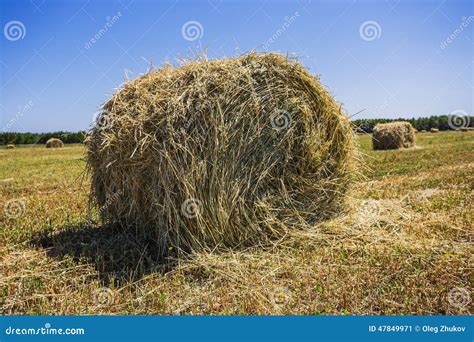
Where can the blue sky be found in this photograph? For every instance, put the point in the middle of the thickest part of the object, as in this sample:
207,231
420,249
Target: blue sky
389,58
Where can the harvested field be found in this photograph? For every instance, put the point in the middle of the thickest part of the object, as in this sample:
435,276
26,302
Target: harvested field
404,248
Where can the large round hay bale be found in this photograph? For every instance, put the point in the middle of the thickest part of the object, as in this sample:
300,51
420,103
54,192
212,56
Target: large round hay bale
10,147
393,135
220,153
434,130
54,143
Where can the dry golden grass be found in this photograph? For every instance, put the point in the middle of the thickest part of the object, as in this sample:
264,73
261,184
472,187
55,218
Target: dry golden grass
215,153
404,246
54,143
393,135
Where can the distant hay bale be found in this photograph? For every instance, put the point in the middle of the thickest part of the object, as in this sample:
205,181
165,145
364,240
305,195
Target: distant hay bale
393,135
423,131
54,143
221,153
434,130
10,146
464,129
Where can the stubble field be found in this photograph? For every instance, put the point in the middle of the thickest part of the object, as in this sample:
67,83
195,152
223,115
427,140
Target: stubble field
403,247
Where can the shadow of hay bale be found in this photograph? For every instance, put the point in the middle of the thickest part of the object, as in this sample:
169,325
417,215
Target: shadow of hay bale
117,254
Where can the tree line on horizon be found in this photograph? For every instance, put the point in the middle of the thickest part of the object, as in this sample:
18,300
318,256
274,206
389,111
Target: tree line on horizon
15,138
440,122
